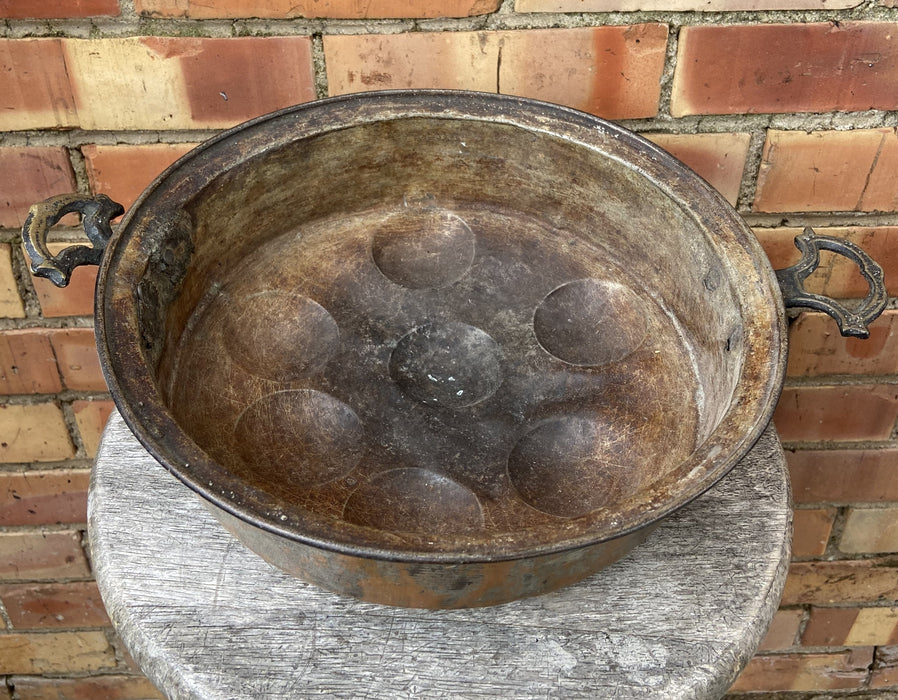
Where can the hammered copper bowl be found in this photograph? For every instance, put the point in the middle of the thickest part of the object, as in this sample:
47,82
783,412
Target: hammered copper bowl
439,349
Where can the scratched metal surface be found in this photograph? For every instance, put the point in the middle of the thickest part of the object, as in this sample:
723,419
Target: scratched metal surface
206,618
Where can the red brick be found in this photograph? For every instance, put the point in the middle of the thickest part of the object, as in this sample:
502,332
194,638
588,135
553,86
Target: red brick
77,299
811,530
843,670
820,67
10,302
829,627
841,582
837,276
44,497
27,556
55,652
783,630
885,668
126,658
117,687
870,531
27,363
76,355
337,9
828,171
29,175
45,605
676,5
53,9
123,172
844,476
35,88
159,82
610,71
33,433
817,348
719,158
91,417
836,413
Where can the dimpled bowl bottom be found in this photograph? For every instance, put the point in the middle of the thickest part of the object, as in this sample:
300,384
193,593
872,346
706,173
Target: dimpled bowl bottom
431,370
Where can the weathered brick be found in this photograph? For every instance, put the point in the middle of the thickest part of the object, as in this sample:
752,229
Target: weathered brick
77,299
44,497
336,9
843,476
783,630
828,171
829,627
57,9
874,627
817,348
837,276
27,556
91,417
33,433
55,652
677,5
106,687
10,302
46,605
801,67
885,668
851,627
76,355
183,83
870,530
840,582
719,158
27,363
35,88
834,413
836,671
29,175
811,530
123,172
610,71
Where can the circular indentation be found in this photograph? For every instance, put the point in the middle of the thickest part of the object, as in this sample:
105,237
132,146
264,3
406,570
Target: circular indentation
279,335
414,500
448,364
423,248
590,322
308,436
573,465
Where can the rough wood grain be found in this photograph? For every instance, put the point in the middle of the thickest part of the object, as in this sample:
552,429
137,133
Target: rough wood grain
206,618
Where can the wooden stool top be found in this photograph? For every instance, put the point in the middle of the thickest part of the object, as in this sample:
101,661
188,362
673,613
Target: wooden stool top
206,618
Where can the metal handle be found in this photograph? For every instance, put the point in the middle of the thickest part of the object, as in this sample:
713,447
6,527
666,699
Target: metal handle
96,213
851,322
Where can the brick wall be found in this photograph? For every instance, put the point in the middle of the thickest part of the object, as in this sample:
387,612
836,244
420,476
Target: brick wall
786,107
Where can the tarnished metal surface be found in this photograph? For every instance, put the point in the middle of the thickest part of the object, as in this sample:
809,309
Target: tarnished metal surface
96,214
443,348
852,322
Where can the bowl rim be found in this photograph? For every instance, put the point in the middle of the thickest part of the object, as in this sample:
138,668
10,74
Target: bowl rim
131,380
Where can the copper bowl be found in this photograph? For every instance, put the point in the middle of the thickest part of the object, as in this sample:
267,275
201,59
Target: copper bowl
436,349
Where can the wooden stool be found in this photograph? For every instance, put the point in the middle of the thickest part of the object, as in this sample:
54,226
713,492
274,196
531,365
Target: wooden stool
206,618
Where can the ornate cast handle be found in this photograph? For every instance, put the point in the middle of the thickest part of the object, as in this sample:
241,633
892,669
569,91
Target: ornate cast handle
96,213
851,322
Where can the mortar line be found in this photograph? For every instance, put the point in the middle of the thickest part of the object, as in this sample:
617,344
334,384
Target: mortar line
131,23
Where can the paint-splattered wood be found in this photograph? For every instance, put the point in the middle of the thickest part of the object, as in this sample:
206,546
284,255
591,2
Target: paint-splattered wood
206,618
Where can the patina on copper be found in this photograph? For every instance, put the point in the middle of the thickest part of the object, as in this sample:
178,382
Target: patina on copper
439,349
